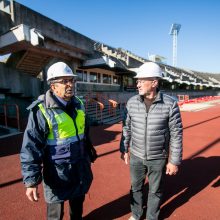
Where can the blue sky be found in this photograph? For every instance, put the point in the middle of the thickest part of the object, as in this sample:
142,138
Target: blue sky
142,26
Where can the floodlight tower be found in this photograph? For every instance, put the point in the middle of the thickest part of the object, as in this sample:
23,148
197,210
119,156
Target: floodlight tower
174,30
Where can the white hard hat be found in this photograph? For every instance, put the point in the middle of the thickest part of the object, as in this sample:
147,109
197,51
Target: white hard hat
149,69
59,69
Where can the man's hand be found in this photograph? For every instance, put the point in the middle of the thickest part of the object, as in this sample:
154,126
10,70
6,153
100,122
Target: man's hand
125,157
32,193
171,169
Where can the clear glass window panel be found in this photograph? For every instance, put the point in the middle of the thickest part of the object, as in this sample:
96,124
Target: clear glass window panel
99,77
79,74
115,80
130,82
110,79
106,79
85,76
93,77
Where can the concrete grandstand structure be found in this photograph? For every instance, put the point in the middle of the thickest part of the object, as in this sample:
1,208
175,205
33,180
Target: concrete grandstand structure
31,42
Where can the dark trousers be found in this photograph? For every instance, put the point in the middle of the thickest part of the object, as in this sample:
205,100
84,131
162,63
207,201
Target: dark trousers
55,211
155,171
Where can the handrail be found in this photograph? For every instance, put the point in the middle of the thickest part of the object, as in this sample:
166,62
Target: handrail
99,106
100,109
112,103
5,107
103,98
112,107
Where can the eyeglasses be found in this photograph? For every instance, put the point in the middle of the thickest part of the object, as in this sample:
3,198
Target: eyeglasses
64,81
140,81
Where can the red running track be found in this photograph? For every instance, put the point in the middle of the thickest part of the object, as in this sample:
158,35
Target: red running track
192,194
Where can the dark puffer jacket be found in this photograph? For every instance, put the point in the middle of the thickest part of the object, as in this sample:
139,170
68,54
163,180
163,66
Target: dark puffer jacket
64,178
154,134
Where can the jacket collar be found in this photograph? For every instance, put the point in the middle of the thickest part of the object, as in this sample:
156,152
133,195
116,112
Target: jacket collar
51,101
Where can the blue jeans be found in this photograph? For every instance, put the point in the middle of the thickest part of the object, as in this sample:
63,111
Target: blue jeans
155,171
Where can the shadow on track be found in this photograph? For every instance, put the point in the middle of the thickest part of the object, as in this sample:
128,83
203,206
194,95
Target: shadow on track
112,210
101,135
195,174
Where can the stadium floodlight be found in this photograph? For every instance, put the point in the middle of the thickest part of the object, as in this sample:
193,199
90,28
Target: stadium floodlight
174,30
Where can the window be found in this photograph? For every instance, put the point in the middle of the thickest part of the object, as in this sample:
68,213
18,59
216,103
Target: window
93,77
106,79
131,82
128,81
79,74
99,77
85,76
115,80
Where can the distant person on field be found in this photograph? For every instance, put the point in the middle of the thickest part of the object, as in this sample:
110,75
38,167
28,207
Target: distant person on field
151,140
55,146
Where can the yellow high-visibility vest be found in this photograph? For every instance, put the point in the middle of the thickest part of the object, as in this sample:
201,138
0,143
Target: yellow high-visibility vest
61,126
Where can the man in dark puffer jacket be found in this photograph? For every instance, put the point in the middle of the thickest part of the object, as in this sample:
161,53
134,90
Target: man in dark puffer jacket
151,141
54,149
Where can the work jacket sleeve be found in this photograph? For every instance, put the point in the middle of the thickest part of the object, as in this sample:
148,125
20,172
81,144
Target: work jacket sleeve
126,132
87,131
176,133
31,154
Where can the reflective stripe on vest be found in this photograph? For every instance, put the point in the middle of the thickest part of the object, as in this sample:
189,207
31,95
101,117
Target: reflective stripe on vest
61,125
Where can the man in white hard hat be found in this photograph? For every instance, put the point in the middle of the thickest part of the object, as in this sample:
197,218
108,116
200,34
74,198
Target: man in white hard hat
151,140
56,147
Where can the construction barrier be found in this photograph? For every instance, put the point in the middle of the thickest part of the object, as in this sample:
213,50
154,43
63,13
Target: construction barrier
197,100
